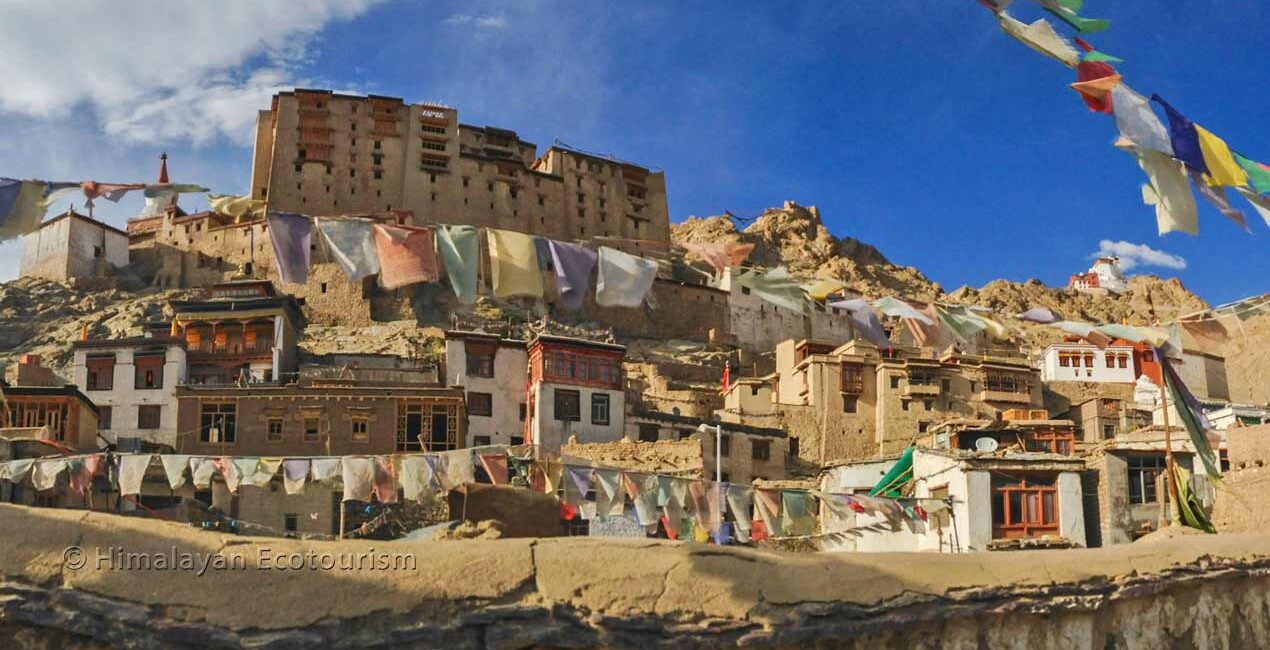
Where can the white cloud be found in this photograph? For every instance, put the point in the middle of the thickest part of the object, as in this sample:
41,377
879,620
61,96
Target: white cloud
1133,255
158,70
481,21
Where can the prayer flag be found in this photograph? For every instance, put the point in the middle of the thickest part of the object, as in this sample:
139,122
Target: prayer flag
1170,193
325,469
768,504
864,321
291,235
407,255
1152,335
1084,331
261,472
820,289
351,243
385,486
513,262
573,265
22,207
459,468
201,472
132,472
1041,37
1192,415
1258,173
1183,137
721,255
624,280
1097,92
359,478
495,466
642,489
776,286
1259,203
797,516
83,470
1222,168
174,466
741,504
1137,122
963,324
1217,197
1038,315
294,474
895,307
609,500
46,472
460,248
234,206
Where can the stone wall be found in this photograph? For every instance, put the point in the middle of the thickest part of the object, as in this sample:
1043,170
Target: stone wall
1241,506
1198,592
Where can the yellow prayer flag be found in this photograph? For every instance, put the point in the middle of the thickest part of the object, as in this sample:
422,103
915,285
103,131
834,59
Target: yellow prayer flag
513,264
820,289
1222,168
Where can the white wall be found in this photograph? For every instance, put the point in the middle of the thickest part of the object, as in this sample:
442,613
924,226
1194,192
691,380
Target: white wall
1052,371
552,433
507,387
124,398
1071,508
66,249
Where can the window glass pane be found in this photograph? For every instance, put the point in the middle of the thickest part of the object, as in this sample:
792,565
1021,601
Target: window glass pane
1016,507
1047,508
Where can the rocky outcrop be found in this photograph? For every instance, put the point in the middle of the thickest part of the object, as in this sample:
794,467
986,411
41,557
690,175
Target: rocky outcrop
43,317
796,236
1199,591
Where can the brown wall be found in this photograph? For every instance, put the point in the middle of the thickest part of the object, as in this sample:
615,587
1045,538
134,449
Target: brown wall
334,414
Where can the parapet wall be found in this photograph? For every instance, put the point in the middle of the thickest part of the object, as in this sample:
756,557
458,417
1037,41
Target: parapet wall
1201,592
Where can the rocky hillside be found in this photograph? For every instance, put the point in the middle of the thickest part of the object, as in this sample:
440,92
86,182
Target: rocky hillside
42,317
795,236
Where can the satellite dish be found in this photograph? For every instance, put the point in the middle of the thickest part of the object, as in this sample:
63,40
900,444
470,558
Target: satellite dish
986,444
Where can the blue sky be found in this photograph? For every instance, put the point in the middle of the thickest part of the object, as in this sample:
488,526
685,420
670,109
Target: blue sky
915,126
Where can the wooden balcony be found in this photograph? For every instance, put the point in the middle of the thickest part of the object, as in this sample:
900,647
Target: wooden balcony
1009,397
921,390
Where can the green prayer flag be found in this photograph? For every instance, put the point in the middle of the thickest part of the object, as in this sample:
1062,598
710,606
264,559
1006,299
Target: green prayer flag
1192,512
797,517
1072,5
1096,56
1079,23
963,324
899,474
460,249
1258,175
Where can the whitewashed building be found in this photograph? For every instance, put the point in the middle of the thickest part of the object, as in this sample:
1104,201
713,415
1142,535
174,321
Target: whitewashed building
995,499
1105,276
133,383
1086,362
576,390
493,371
71,246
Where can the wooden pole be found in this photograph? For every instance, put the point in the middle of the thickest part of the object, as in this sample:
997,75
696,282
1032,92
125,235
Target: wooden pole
1171,492
343,508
